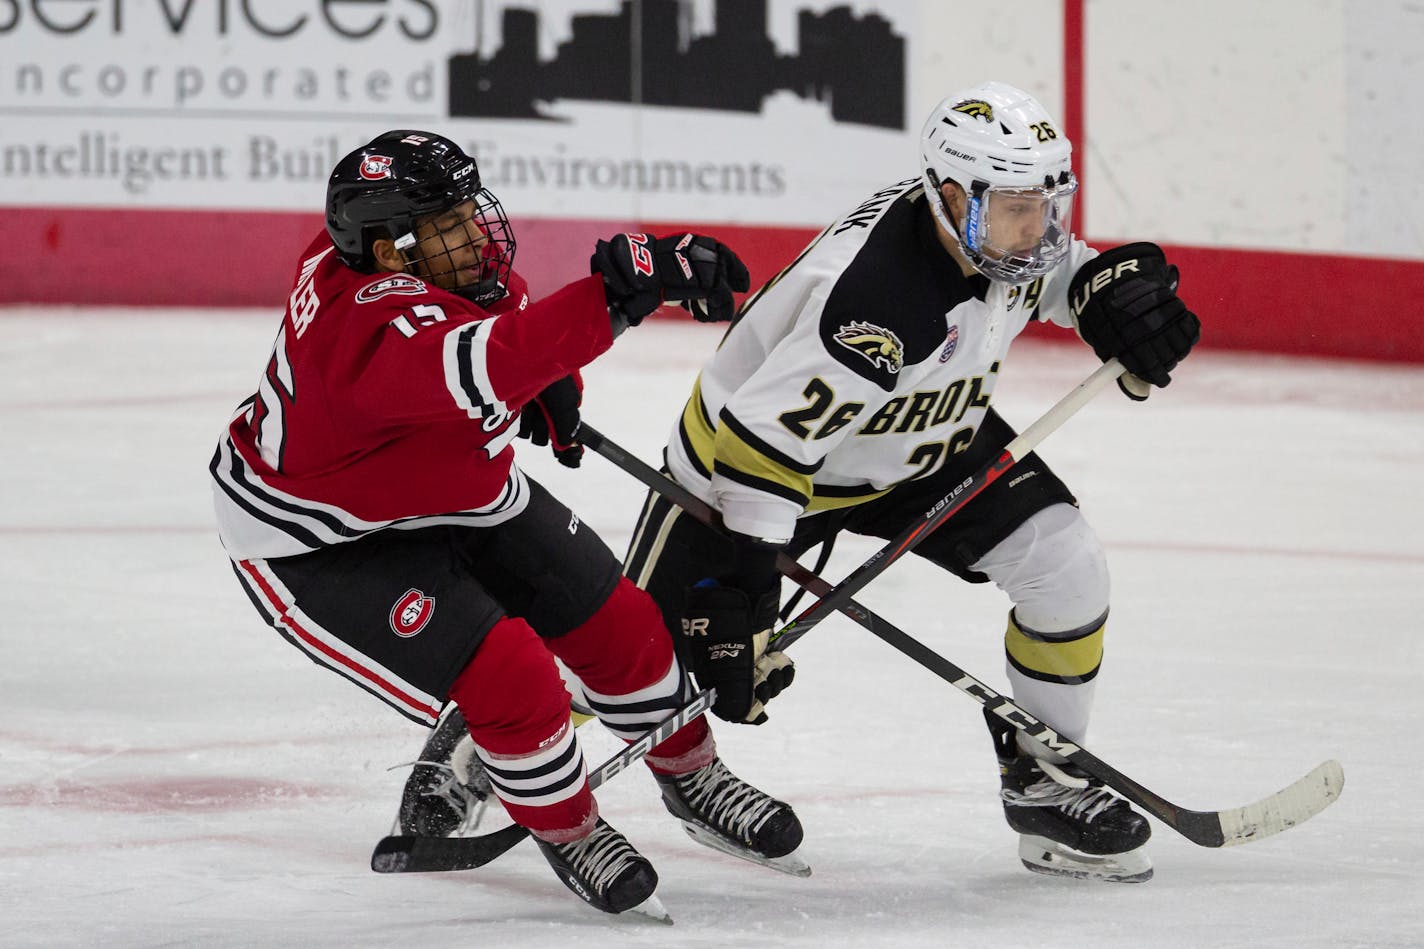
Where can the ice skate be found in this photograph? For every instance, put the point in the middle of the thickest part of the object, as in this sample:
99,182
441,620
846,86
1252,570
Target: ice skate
606,872
1069,823
722,811
448,789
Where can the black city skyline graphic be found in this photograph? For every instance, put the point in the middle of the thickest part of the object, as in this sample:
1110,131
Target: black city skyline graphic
853,64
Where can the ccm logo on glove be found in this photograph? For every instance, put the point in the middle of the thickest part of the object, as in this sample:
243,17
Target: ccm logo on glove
642,257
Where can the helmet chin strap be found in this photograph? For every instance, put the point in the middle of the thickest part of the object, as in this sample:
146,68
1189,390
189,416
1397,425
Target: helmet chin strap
483,293
941,210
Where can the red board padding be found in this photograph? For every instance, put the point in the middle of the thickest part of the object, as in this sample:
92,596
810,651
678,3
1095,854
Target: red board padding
1304,304
1266,301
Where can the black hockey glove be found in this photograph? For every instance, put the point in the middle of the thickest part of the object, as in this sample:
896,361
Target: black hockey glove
726,629
1126,306
641,271
552,418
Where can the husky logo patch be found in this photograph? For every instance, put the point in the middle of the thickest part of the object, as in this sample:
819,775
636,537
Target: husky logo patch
376,167
977,108
401,283
411,613
875,343
951,342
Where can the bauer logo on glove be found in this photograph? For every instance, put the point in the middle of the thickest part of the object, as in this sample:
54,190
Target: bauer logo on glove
1125,304
726,638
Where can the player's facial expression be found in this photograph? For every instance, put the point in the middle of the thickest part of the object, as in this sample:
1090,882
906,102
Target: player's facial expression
450,247
1018,220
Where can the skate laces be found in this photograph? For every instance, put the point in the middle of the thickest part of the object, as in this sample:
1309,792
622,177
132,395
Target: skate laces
452,790
600,857
463,798
1076,796
726,801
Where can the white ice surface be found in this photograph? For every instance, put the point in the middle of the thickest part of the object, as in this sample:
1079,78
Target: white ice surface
173,773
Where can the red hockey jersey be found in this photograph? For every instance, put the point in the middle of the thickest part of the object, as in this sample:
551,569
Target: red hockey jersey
388,402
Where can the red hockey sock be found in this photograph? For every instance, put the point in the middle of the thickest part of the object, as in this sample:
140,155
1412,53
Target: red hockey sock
624,657
517,710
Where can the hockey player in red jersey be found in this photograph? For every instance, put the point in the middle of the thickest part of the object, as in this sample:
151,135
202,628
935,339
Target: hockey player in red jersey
368,498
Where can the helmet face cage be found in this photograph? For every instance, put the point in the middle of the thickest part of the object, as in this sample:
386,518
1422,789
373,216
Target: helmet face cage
435,248
996,220
1001,147
421,191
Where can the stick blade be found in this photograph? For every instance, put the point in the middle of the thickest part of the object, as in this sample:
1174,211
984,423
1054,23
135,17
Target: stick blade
1284,809
408,854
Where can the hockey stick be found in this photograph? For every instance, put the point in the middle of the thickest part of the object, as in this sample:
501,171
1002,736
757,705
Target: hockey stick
834,597
405,853
1280,811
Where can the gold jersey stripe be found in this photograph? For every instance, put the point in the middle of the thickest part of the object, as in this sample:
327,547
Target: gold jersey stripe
722,449
840,499
740,461
698,435
702,440
1058,660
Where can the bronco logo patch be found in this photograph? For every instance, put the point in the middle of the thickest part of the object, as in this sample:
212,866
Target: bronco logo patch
978,108
875,343
411,613
401,283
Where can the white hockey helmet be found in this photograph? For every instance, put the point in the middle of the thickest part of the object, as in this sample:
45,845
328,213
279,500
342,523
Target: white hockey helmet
1004,149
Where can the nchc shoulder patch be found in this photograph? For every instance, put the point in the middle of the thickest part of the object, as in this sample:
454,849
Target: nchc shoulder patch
876,343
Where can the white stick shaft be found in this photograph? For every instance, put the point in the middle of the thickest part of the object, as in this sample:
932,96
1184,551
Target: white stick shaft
1029,438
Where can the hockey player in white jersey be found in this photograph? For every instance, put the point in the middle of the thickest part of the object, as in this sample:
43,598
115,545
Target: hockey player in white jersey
853,392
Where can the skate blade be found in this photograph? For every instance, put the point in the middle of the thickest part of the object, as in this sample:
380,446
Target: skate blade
790,863
651,909
1042,855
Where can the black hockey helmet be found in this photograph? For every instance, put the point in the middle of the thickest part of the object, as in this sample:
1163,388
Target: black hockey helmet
395,187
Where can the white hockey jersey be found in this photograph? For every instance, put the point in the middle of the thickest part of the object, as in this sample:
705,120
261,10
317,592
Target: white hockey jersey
865,363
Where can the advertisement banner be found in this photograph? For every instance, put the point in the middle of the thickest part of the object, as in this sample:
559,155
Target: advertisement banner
750,112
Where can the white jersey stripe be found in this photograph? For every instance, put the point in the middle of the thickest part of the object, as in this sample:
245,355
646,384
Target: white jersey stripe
257,521
467,371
